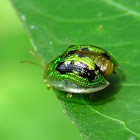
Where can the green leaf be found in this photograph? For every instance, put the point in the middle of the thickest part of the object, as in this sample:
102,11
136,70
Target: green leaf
53,25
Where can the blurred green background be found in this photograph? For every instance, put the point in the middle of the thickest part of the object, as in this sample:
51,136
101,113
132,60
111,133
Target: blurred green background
27,110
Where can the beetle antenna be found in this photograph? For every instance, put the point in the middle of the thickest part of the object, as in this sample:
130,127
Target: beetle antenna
35,57
31,63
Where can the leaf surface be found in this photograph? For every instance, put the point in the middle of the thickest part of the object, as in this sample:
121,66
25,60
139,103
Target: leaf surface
113,25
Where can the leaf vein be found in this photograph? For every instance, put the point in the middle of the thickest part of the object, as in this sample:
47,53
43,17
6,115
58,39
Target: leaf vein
74,20
113,119
132,12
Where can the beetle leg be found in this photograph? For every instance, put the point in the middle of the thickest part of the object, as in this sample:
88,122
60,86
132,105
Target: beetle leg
45,81
92,96
69,95
48,86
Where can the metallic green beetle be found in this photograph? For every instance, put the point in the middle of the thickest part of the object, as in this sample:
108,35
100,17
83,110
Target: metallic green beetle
81,69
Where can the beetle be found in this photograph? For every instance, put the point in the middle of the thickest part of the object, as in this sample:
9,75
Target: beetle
80,69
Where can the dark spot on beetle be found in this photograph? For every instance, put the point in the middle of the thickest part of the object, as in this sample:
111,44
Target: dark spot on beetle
84,49
97,68
89,74
60,67
81,68
72,52
64,68
80,55
106,56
